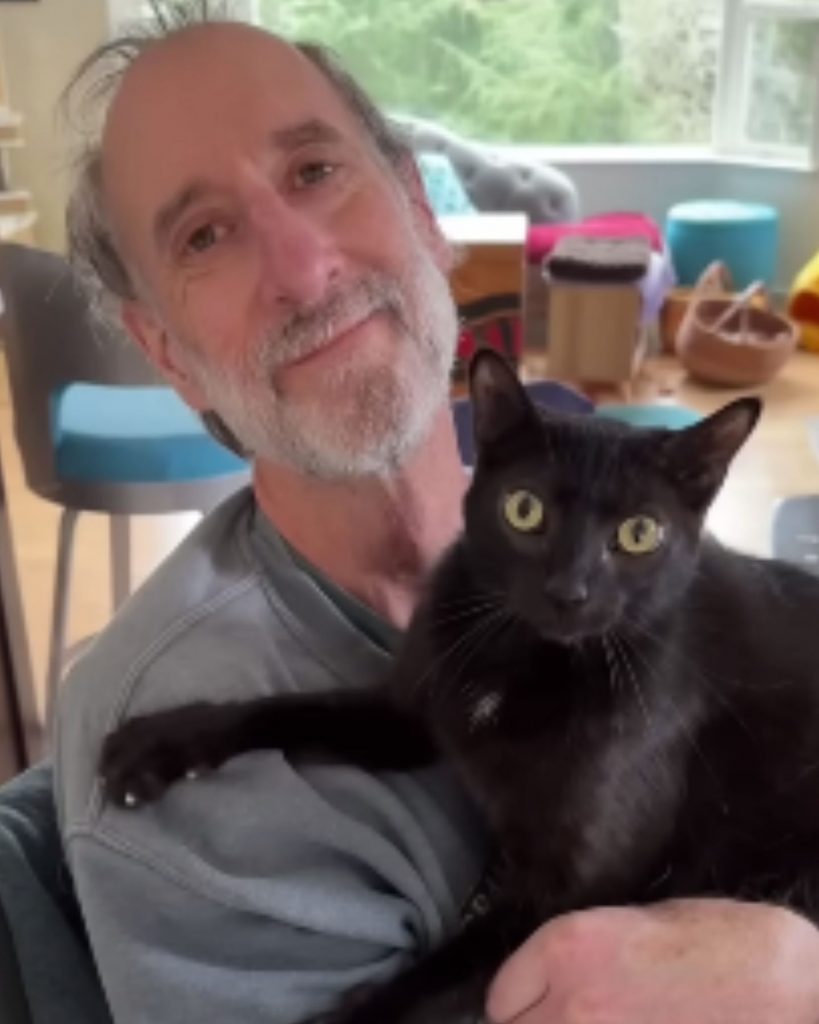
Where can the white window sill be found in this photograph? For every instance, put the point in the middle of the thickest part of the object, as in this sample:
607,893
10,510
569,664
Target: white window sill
655,155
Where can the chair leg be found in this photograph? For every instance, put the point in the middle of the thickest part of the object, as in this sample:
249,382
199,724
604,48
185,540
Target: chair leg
59,614
120,533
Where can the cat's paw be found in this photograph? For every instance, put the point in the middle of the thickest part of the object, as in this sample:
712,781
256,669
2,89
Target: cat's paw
147,754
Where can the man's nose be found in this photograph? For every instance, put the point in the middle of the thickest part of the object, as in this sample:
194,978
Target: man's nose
299,257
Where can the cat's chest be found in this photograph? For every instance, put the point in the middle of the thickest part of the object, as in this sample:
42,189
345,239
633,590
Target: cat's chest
506,736
568,785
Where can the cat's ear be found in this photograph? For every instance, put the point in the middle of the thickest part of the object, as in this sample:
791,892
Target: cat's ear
499,400
697,458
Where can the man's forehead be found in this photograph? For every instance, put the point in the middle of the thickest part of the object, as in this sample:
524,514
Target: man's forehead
212,89
218,61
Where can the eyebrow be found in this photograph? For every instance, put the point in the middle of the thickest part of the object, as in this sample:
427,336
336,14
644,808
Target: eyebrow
304,133
287,139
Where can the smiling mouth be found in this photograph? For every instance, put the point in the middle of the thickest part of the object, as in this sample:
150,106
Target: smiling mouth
333,343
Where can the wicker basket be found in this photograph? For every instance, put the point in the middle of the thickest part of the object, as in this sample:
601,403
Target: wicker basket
714,283
732,342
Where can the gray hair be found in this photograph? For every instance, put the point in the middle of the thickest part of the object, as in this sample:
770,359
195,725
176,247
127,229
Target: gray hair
92,246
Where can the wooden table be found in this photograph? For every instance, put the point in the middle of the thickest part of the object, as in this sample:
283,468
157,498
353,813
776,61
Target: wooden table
491,251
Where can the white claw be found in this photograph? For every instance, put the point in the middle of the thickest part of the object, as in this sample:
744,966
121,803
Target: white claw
130,800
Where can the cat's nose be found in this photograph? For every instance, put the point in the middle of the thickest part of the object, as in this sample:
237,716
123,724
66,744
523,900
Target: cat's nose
568,593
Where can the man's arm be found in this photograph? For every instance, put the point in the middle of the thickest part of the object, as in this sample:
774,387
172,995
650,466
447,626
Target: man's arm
169,953
682,962
268,890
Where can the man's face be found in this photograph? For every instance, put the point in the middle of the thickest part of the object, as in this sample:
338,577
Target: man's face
288,280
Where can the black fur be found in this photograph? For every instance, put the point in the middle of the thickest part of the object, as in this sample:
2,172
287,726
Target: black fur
634,726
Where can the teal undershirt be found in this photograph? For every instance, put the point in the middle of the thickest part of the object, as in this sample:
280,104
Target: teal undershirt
377,629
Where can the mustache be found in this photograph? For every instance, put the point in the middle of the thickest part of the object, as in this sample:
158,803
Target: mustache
310,328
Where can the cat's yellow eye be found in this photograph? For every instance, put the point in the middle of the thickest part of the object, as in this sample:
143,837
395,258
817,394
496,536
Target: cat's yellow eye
523,511
639,535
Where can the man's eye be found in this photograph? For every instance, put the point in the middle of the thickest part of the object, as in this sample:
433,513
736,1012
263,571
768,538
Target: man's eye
204,237
314,172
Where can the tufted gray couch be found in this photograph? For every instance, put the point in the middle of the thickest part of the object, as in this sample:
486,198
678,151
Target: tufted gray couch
496,180
501,181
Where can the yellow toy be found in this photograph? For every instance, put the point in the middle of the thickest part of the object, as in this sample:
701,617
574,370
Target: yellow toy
803,304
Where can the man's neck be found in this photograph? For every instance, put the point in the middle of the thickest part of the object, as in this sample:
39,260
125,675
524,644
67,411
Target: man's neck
375,537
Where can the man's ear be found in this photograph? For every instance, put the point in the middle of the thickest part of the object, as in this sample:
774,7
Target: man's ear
424,215
161,352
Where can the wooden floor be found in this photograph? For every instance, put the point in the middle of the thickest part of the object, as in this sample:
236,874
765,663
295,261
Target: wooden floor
777,461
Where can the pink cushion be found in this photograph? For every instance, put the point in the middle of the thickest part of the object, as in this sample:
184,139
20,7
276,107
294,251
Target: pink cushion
542,238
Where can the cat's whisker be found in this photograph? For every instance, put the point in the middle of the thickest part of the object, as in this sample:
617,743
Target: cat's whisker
500,618
463,640
680,719
635,625
694,669
476,597
614,682
465,613
635,682
621,647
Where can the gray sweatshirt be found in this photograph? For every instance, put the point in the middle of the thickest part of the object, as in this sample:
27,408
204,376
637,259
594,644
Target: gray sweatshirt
264,891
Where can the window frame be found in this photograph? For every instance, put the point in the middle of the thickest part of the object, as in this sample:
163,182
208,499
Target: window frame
730,98
123,12
732,93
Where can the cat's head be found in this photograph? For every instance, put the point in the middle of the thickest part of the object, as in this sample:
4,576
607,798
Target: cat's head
585,524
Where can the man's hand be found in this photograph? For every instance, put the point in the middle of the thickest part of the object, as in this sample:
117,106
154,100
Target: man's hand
682,962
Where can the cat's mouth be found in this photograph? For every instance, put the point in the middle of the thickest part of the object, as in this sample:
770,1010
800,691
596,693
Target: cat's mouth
569,620
571,629
570,637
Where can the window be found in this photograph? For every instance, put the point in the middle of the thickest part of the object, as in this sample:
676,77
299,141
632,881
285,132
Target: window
769,89
584,71
122,13
125,12
550,71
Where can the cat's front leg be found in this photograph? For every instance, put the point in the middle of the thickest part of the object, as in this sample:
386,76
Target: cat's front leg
147,754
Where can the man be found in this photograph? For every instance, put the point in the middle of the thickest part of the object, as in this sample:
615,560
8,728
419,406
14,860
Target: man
267,243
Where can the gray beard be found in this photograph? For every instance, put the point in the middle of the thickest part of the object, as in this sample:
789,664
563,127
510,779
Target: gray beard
382,413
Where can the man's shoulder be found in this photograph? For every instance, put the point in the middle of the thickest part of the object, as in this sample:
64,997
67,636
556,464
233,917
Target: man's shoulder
190,632
210,569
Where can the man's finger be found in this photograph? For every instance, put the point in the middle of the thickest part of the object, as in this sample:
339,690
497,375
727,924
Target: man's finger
519,986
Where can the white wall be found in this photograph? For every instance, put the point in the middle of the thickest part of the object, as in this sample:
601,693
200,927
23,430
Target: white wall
41,44
653,187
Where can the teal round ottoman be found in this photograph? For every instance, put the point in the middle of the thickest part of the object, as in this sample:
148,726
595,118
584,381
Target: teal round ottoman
673,417
744,236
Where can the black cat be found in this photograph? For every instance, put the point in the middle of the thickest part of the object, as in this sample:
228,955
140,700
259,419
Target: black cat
635,708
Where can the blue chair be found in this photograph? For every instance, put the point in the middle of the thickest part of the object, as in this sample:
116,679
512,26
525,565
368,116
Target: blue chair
96,429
